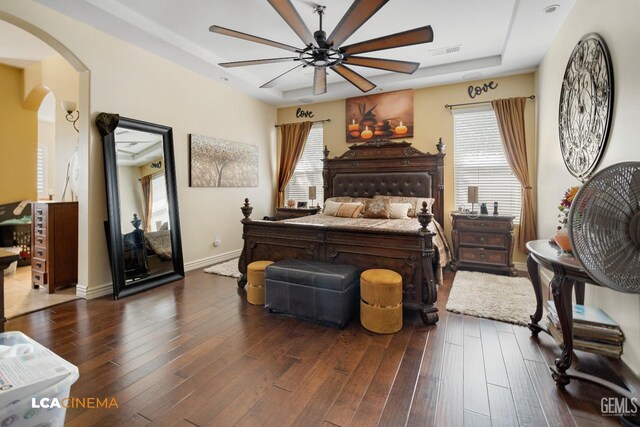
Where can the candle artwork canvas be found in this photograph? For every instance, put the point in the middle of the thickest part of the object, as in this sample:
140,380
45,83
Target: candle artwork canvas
217,162
381,116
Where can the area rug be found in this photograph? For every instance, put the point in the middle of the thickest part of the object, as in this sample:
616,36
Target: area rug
229,269
503,298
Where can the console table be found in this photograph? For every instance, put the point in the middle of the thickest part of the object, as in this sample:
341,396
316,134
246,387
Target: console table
567,274
6,258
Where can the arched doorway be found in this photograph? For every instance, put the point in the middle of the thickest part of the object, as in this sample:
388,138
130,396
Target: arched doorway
80,139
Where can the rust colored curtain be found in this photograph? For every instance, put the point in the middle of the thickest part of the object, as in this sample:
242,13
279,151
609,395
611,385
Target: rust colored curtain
294,136
510,116
147,193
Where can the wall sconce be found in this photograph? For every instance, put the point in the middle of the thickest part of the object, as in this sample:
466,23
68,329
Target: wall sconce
472,197
72,113
312,194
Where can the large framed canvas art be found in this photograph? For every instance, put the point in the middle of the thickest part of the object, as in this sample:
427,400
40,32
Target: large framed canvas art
216,162
382,116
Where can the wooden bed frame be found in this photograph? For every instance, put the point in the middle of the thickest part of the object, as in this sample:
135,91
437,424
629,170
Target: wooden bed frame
380,167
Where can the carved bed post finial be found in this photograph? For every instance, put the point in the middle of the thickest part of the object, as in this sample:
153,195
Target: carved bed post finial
440,146
326,152
246,210
424,217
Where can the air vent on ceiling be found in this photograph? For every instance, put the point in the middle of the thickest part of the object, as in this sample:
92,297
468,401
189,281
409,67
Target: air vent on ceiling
446,50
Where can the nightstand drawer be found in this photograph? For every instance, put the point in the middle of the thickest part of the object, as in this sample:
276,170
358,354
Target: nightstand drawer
483,225
483,256
483,239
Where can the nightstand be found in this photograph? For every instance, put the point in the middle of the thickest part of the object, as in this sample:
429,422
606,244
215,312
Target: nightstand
483,242
287,213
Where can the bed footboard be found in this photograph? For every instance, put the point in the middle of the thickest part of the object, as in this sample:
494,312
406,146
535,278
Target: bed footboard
411,255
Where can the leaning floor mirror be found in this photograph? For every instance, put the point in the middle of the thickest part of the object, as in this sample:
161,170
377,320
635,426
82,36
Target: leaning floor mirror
143,230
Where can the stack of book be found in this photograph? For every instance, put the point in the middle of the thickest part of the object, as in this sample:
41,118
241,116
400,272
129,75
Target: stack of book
593,330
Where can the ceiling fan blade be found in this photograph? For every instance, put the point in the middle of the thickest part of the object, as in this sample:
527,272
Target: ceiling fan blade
273,82
244,36
405,38
293,19
354,78
382,64
359,13
256,62
319,81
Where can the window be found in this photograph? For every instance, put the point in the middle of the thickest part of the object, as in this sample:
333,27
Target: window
309,169
160,205
42,172
479,160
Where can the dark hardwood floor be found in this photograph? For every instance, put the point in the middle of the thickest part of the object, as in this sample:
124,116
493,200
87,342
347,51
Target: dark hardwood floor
195,353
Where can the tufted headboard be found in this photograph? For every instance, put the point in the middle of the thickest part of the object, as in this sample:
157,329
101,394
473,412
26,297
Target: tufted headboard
387,168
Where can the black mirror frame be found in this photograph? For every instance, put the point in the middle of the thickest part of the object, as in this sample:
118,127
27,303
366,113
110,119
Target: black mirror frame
107,124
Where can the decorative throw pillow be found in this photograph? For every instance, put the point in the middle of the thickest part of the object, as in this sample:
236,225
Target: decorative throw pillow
399,210
349,210
377,208
331,208
416,202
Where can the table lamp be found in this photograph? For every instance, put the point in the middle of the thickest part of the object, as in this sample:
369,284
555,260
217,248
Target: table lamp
472,197
312,193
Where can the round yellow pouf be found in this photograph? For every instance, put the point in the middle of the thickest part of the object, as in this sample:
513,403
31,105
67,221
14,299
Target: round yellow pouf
381,301
255,282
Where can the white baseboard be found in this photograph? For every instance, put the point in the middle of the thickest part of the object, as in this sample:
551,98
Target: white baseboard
82,291
216,259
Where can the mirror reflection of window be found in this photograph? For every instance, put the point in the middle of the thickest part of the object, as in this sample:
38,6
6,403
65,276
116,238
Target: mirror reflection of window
159,205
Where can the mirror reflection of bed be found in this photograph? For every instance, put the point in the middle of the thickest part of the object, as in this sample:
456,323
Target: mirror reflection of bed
144,211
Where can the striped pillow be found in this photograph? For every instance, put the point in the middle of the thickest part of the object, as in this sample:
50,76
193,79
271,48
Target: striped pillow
349,210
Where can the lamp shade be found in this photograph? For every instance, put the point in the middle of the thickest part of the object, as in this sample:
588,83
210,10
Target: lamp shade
312,192
472,194
69,106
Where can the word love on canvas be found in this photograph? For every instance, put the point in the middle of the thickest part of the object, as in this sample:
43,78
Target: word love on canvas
303,113
479,90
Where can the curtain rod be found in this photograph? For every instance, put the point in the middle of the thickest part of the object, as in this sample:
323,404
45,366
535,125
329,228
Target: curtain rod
313,121
450,106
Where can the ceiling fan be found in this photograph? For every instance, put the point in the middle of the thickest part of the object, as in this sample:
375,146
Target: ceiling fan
322,52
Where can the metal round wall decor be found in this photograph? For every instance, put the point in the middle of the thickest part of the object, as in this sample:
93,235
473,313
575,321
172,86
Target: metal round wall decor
586,106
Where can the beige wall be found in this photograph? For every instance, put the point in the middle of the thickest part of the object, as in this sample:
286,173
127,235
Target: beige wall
431,121
18,140
137,84
618,25
61,79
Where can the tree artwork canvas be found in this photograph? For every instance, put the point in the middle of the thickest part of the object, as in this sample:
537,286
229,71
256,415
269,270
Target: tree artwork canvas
217,162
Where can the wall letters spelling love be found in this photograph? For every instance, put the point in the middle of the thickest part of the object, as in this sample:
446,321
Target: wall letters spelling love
303,113
478,90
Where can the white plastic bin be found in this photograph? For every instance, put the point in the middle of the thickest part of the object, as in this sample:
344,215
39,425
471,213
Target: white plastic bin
29,375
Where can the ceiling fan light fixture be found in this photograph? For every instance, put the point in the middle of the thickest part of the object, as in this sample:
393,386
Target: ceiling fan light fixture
322,52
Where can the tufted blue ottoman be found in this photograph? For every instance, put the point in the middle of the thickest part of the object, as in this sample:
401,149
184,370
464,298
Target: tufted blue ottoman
312,290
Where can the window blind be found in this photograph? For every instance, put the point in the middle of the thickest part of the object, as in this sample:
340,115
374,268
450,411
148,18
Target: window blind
160,205
479,159
309,169
41,177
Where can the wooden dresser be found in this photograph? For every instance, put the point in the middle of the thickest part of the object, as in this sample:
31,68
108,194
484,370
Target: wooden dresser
54,244
483,242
